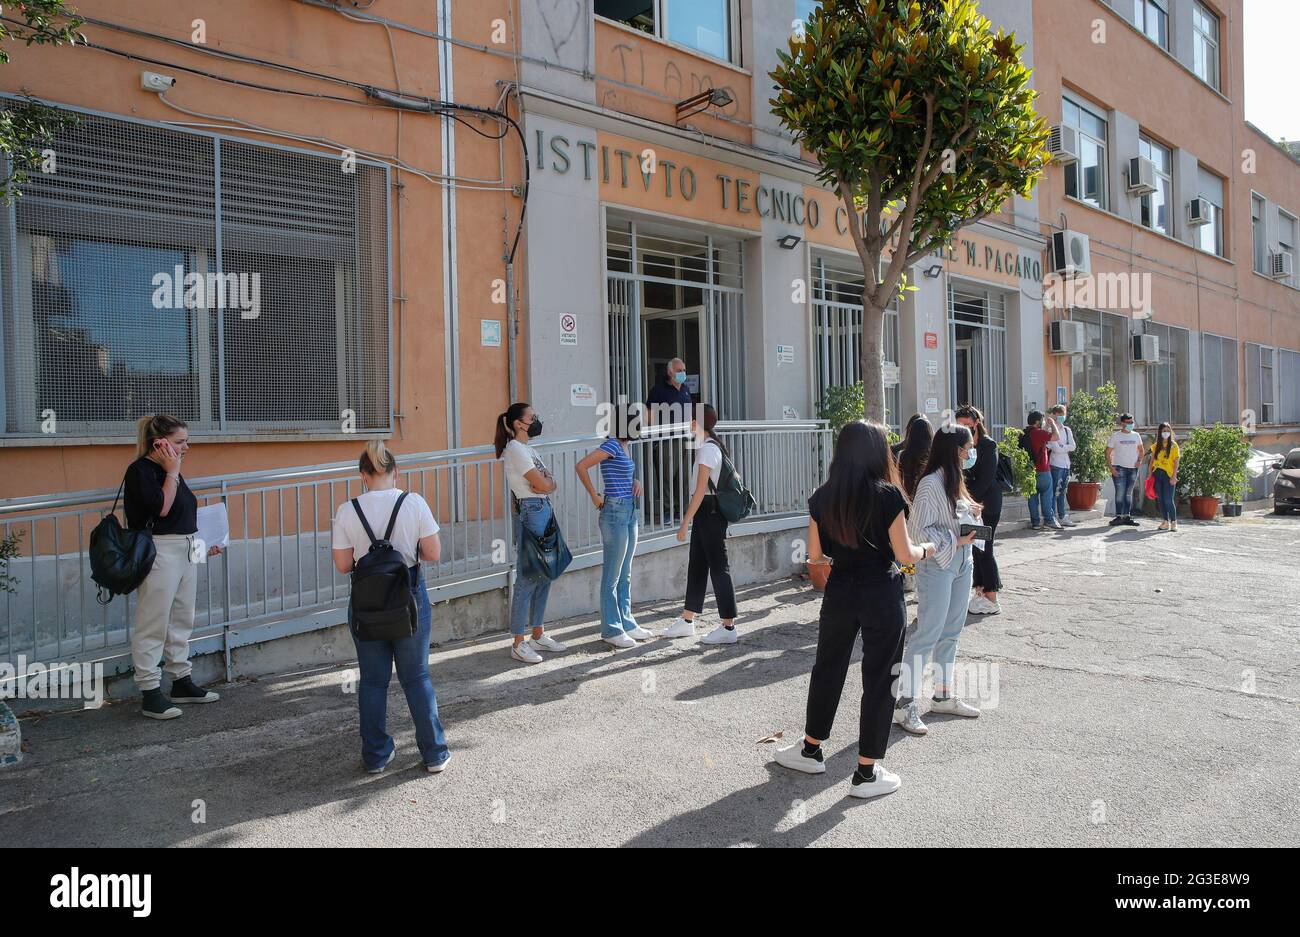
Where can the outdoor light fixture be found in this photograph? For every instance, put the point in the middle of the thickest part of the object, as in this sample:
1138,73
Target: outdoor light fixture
789,241
698,103
933,271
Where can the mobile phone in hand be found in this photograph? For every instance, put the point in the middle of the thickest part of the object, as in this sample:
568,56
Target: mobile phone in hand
981,531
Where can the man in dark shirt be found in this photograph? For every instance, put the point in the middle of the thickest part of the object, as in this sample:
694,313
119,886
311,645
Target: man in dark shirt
1034,441
669,402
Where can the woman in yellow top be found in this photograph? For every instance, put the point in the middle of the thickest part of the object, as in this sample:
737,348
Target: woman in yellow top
1164,469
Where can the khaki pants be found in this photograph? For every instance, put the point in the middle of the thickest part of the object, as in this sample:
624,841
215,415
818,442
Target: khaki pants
164,613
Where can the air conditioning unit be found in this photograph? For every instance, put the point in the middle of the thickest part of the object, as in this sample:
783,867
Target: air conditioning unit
1064,144
1066,337
1146,348
1141,176
1070,255
1281,266
1198,212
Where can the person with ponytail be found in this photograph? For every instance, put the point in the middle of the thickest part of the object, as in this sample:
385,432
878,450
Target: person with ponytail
982,483
415,536
156,498
1163,456
708,557
531,484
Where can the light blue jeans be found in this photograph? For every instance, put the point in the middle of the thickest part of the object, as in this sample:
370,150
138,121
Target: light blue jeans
620,520
942,597
529,603
1060,485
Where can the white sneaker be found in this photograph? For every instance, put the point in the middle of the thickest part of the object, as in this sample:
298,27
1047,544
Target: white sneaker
681,628
619,640
1056,524
886,782
1068,521
989,607
547,643
954,707
640,634
792,757
976,606
524,653
909,717
721,635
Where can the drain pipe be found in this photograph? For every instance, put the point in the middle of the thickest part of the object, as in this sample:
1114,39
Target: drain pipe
512,328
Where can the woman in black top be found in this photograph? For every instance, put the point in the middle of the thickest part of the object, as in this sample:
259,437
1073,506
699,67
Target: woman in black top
858,519
982,483
157,498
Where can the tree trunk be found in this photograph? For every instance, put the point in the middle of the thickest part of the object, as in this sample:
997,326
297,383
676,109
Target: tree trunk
873,372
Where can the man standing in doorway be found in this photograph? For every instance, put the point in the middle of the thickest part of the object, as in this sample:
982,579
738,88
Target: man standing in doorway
669,402
1124,454
1059,448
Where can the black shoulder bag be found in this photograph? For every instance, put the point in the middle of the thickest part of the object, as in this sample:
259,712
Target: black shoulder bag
120,558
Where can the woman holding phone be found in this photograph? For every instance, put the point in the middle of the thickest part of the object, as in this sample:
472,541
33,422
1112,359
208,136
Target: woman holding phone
156,497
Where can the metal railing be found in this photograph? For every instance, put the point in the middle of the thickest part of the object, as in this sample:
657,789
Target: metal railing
278,563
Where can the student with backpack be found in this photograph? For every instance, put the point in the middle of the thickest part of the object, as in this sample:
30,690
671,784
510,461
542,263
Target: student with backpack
389,614
985,487
858,518
1034,439
717,497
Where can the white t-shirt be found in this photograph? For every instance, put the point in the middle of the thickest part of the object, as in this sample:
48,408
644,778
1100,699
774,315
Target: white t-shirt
414,522
520,459
1128,448
708,454
1058,453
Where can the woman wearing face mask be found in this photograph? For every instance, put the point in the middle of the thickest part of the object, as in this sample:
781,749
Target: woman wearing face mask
943,580
708,558
1164,469
155,496
531,484
982,483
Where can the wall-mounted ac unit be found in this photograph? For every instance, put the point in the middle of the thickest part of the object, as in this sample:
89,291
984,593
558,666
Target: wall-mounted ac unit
1198,212
1281,266
1066,337
1146,348
1141,176
1063,144
1070,255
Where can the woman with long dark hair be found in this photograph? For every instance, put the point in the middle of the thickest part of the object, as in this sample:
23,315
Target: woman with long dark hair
858,518
943,580
531,484
982,483
1164,454
708,529
915,452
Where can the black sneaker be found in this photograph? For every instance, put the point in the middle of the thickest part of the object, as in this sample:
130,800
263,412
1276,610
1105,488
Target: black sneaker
156,705
185,690
1129,522
1116,521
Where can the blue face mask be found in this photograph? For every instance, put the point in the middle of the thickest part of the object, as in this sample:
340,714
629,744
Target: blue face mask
679,377
971,458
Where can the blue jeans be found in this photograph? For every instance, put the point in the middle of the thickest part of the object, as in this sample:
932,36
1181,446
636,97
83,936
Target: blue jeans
619,523
1060,483
375,660
942,597
529,603
1124,483
1042,499
1165,496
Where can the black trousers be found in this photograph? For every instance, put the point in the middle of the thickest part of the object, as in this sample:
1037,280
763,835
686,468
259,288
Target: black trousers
709,560
986,567
875,608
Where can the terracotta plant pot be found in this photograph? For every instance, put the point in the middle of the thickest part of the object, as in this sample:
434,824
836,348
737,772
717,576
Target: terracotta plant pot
1203,508
819,573
1081,496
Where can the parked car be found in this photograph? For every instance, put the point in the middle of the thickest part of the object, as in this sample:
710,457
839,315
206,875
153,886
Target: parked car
1286,489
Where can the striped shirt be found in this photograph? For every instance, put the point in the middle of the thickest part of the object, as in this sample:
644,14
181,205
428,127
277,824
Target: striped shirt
616,471
933,519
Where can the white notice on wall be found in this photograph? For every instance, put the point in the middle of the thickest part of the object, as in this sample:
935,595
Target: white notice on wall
891,373
784,354
582,395
568,329
931,404
1033,377
931,366
789,413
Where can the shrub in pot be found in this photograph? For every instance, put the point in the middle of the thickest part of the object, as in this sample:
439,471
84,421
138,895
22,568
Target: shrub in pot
1213,464
1091,417
1026,477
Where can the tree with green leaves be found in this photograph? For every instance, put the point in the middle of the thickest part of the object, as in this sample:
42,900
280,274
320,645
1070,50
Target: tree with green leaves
27,127
923,122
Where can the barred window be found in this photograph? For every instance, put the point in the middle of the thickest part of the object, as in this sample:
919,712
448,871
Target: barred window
1219,380
239,286
1168,381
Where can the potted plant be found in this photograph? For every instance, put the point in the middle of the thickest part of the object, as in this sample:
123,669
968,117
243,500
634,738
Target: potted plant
1026,477
1091,417
1213,464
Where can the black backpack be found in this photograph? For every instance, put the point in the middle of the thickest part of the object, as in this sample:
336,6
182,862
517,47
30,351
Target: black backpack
382,607
734,500
1005,474
120,558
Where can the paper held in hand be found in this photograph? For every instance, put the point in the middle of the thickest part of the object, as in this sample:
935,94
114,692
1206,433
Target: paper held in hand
214,525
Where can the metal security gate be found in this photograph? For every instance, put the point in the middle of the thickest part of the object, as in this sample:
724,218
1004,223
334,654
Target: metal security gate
683,283
977,357
837,330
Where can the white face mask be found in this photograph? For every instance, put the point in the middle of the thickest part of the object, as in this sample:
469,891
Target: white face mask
1164,435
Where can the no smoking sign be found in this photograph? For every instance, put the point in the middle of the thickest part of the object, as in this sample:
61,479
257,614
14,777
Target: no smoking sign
568,329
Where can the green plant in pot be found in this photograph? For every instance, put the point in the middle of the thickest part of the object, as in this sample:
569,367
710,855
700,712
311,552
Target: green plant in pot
1091,417
1025,476
1213,465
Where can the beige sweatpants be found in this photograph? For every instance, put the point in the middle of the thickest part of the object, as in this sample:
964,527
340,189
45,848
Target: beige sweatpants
164,613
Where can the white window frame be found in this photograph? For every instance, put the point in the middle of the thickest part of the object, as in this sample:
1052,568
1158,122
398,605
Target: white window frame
1203,40
1165,176
661,30
1103,185
1291,248
1216,226
1259,233
1141,9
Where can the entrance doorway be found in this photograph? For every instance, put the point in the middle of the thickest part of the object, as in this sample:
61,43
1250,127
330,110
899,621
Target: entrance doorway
666,335
977,371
